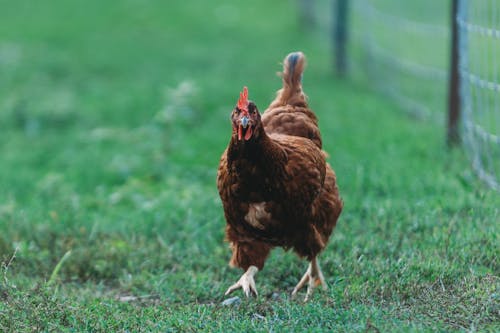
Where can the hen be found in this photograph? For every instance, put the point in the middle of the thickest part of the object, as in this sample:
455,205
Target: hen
276,187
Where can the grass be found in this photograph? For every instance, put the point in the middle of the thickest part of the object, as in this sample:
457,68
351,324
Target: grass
113,118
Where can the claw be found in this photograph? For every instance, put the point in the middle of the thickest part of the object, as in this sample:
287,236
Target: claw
246,282
314,277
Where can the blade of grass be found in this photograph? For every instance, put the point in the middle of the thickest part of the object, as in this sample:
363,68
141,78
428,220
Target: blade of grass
56,270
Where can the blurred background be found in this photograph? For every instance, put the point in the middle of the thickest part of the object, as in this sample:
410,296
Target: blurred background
113,117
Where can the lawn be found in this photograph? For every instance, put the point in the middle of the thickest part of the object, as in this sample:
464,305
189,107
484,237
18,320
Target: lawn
113,117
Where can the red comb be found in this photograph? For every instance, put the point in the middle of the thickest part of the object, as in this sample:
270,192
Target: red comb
243,101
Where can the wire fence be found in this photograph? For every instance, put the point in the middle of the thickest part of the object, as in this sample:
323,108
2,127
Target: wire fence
405,50
479,31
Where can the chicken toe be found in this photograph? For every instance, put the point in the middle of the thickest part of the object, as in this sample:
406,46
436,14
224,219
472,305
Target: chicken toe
313,277
246,282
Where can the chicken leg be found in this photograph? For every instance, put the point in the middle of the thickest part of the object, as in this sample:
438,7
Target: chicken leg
246,282
314,277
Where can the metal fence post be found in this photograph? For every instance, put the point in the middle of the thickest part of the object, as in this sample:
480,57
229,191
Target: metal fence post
307,17
340,35
454,103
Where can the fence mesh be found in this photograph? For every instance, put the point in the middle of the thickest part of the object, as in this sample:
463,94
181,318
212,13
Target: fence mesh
479,25
406,45
405,51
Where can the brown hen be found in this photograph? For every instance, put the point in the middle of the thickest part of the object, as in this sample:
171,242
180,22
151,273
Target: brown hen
276,187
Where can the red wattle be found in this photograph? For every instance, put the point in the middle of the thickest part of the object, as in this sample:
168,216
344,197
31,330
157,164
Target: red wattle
248,134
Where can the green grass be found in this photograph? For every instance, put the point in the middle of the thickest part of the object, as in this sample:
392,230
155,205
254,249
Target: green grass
112,121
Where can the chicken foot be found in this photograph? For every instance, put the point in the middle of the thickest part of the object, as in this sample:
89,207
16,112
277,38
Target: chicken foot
246,282
314,277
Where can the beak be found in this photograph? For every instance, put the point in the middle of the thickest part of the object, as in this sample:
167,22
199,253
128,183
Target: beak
244,121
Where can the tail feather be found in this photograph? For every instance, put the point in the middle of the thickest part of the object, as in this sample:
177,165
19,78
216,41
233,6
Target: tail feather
291,93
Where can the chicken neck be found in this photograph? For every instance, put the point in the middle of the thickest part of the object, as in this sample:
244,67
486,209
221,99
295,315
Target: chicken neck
261,150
